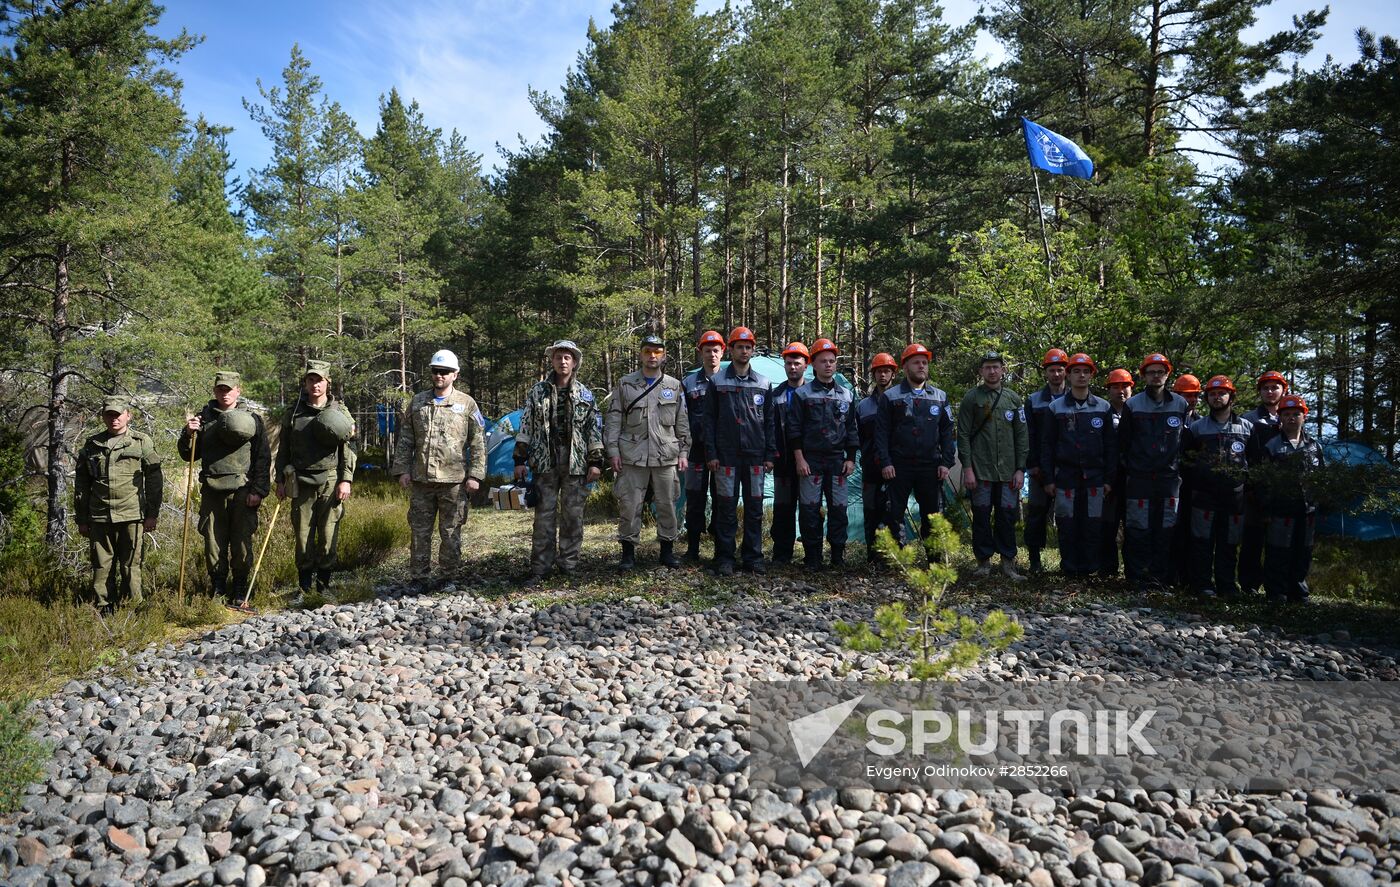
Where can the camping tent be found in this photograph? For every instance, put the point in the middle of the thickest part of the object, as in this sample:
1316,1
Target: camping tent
1363,525
500,444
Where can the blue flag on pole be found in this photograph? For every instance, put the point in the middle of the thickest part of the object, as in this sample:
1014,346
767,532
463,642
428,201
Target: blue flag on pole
1054,153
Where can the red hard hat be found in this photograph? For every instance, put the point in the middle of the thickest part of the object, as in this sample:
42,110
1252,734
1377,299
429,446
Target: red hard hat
1083,360
1293,402
915,350
883,359
1187,384
1120,376
1155,357
824,345
796,348
1220,383
1054,357
741,334
709,337
1273,376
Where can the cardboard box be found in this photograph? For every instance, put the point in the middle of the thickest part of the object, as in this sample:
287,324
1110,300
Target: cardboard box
517,498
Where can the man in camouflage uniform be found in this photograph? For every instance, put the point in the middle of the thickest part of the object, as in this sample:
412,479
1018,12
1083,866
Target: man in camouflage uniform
235,461
117,490
441,460
316,467
561,442
647,436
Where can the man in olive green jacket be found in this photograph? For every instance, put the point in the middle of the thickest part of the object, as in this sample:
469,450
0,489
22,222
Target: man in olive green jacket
230,441
316,467
993,444
117,491
441,459
646,435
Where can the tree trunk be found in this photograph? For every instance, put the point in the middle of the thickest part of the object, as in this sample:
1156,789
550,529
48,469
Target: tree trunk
783,235
1149,98
817,279
56,528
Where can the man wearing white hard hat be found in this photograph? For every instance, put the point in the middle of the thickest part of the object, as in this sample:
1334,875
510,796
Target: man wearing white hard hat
441,460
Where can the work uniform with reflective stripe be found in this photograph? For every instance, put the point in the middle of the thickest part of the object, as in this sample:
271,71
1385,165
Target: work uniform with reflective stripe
1149,446
739,433
822,424
914,433
698,483
874,489
1213,453
1038,505
1079,455
1252,543
1289,514
783,530
1114,513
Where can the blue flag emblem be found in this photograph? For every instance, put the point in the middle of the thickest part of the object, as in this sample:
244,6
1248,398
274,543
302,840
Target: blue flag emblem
1054,153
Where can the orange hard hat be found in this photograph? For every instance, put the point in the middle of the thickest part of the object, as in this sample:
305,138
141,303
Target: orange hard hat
742,334
1273,376
1187,384
915,350
1293,402
1054,357
883,359
1120,376
1220,383
1153,358
824,345
796,348
1083,360
709,337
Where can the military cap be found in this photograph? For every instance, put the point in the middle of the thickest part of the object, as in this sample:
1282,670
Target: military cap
228,378
990,357
116,403
321,368
653,342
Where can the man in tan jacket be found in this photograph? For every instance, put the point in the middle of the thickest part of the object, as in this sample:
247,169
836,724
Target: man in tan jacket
646,436
441,459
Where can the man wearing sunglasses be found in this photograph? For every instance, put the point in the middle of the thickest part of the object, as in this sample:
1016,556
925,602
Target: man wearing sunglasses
441,459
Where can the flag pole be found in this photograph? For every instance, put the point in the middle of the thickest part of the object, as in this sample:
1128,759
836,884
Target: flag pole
1040,214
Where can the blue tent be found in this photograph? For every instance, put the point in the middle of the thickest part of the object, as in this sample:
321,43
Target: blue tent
500,444
1363,525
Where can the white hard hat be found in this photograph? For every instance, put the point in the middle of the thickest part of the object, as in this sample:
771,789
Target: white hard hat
444,358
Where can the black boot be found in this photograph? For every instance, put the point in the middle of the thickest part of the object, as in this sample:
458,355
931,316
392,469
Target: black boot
304,578
218,586
812,559
629,557
237,590
692,548
323,580
838,557
668,554
1035,560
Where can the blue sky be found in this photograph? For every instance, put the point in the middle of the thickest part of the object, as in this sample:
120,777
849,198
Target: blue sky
469,62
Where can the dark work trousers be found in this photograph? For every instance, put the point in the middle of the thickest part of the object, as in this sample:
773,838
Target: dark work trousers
1217,524
1288,550
875,504
1252,549
824,483
743,479
1038,507
1115,511
698,483
783,532
1179,569
1079,510
994,507
1150,513
927,490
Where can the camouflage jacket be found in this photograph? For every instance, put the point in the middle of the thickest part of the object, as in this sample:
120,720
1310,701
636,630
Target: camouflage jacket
533,441
441,443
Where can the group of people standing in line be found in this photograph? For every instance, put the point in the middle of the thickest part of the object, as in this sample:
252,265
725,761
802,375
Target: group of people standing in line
1174,481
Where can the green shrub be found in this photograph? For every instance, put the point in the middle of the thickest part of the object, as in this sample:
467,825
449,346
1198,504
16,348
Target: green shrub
22,757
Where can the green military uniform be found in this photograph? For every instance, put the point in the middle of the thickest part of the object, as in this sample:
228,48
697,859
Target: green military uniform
313,456
117,486
647,428
442,443
560,438
235,461
994,442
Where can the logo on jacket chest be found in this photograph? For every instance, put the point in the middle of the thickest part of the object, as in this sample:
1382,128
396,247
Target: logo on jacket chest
1097,422
1174,421
758,400
667,394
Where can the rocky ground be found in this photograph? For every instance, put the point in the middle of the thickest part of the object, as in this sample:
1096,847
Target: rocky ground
460,741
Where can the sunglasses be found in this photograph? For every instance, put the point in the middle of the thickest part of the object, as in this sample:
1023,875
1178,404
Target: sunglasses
442,371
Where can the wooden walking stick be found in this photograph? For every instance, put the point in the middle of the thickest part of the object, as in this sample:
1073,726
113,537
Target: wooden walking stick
189,491
257,565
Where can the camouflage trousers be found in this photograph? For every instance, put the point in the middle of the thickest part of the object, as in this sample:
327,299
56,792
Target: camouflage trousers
228,526
558,535
316,515
631,490
447,506
116,551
